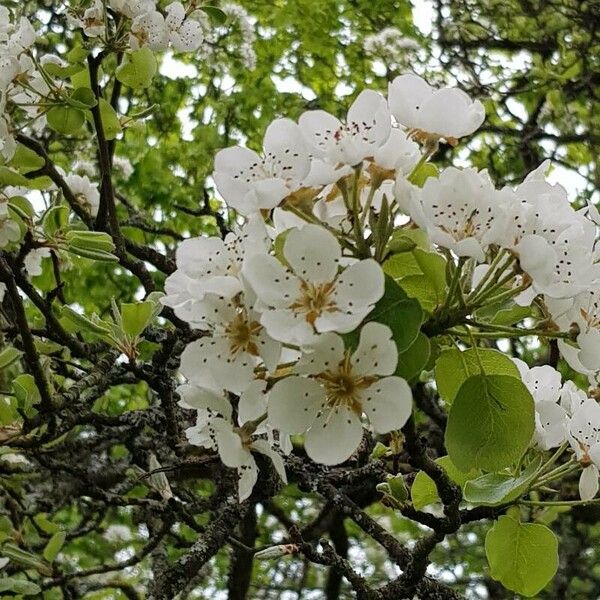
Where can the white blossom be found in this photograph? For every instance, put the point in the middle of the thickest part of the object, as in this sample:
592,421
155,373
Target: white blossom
85,191
367,128
238,344
584,437
214,429
33,260
551,418
149,29
312,296
249,182
185,34
446,113
333,388
459,210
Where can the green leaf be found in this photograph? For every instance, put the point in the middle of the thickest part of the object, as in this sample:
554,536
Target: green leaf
66,120
453,368
8,356
136,317
424,491
90,240
54,545
96,325
523,557
414,359
138,68
424,172
26,390
493,489
421,274
397,487
400,313
61,72
26,160
55,219
110,120
490,423
216,14
83,97
10,177
19,586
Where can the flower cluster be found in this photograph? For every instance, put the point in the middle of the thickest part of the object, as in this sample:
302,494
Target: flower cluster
16,37
286,300
564,414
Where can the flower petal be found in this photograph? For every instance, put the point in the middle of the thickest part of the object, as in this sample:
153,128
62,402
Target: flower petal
272,283
253,402
195,397
361,284
294,403
376,353
334,436
588,483
388,404
313,254
324,355
264,447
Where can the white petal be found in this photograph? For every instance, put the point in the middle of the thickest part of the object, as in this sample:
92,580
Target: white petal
360,285
589,343
248,474
272,283
588,483
229,443
288,327
334,436
196,397
369,115
269,350
318,127
312,253
324,355
208,362
387,403
407,94
376,353
285,147
294,403
253,402
263,447
341,322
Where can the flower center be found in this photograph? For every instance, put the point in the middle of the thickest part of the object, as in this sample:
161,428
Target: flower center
343,387
314,300
242,334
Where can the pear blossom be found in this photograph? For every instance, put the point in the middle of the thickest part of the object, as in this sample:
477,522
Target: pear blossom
211,265
459,210
249,182
367,128
132,8
312,296
149,29
8,144
551,418
399,153
185,35
92,21
584,437
9,228
239,343
85,191
424,111
584,312
215,429
33,260
332,388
